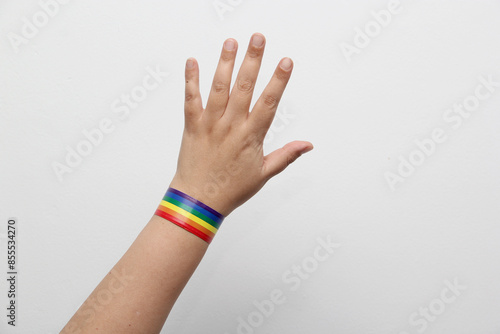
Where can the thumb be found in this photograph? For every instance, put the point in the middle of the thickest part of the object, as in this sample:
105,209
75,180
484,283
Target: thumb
276,161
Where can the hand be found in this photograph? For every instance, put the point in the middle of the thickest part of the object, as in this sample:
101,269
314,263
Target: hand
221,161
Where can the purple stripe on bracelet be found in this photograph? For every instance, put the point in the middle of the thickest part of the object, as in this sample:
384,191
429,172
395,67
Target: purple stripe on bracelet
189,198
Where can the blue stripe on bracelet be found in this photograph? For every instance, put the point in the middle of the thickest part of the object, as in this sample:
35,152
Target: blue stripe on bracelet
200,207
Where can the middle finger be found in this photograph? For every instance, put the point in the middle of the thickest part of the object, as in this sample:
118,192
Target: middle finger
241,94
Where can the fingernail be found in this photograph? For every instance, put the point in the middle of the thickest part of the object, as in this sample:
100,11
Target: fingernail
286,64
190,63
229,45
307,149
257,40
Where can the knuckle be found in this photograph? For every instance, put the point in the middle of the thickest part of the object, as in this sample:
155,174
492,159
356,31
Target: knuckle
245,85
190,97
253,52
220,87
282,75
290,157
226,56
270,101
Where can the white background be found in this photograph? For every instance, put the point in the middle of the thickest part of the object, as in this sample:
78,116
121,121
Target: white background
397,247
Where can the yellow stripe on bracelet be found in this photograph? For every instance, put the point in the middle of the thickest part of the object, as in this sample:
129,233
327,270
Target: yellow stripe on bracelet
188,215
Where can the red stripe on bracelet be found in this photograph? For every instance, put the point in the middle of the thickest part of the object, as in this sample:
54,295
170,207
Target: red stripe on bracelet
186,220
184,225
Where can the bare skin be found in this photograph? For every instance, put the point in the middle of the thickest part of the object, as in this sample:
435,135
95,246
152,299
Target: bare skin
222,164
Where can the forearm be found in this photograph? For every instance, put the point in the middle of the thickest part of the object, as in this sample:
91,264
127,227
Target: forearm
144,284
221,165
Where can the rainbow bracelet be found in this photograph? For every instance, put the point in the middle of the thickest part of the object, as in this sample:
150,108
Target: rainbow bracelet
190,214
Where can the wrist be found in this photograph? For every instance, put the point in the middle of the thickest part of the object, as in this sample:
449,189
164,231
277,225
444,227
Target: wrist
190,214
210,196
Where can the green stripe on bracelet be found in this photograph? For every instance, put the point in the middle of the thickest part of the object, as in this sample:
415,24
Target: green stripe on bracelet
192,210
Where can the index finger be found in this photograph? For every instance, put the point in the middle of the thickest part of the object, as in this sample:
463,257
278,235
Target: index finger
263,112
